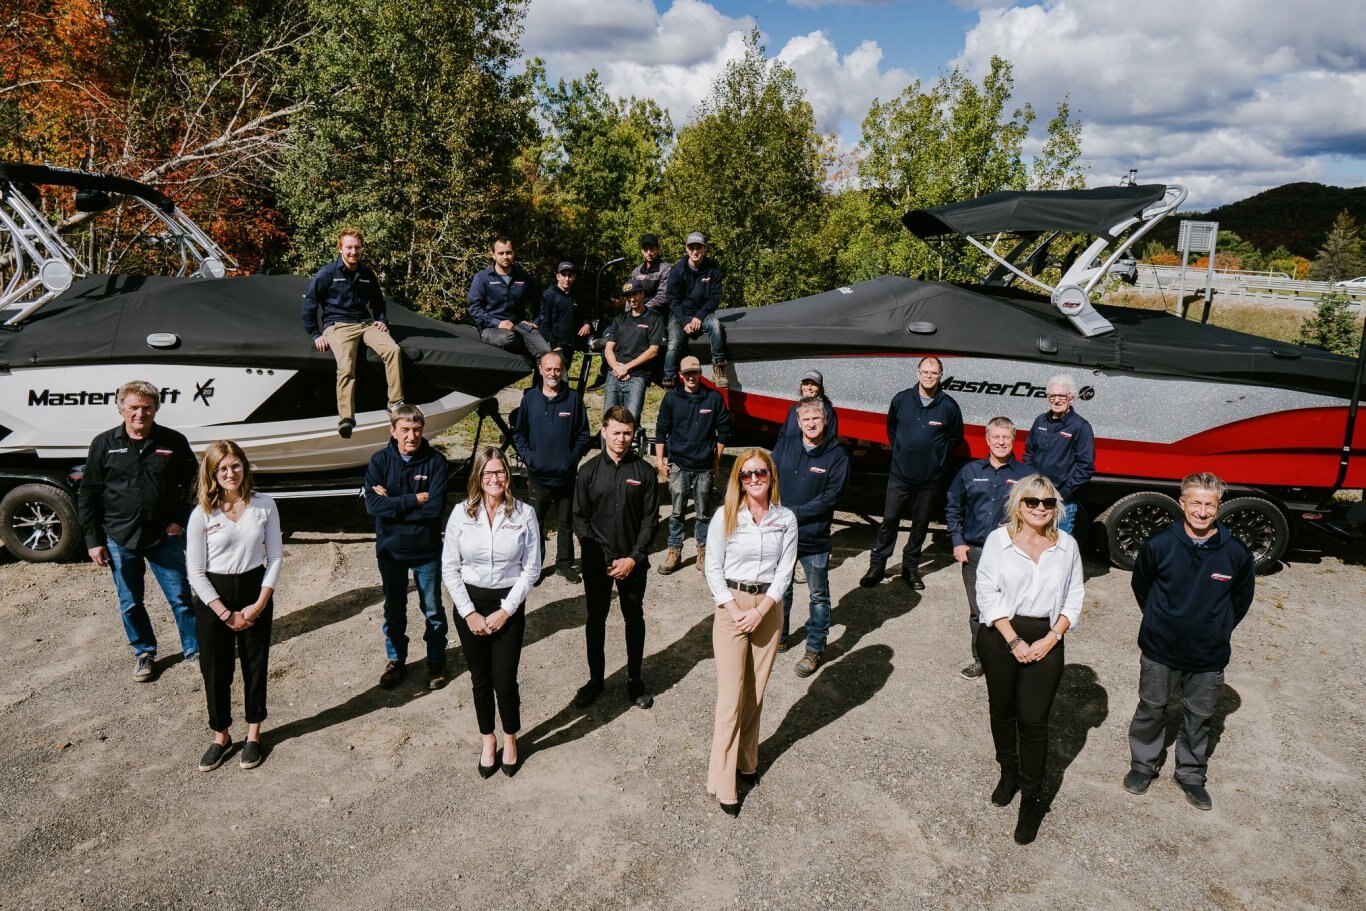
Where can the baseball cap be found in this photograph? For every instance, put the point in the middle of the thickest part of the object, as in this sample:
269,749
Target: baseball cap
696,237
690,364
633,286
564,267
814,376
649,240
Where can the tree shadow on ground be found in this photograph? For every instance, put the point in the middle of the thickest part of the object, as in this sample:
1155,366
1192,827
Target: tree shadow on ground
1081,704
324,613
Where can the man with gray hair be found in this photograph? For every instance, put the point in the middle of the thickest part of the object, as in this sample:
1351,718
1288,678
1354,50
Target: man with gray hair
134,501
1062,447
1194,582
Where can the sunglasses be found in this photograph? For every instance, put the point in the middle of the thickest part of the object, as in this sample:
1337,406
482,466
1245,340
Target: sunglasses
753,473
1035,502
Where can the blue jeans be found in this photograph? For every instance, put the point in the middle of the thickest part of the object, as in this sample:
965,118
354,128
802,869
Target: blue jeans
716,334
817,568
673,351
393,574
630,392
167,559
684,483
1068,517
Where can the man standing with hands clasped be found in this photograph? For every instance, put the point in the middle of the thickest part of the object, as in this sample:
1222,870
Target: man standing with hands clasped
1061,446
690,435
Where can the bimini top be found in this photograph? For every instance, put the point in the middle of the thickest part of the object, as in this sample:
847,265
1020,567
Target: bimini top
895,315
1092,212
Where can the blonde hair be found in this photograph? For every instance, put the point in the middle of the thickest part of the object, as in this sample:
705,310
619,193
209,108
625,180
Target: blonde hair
140,388
475,489
1035,485
208,491
735,492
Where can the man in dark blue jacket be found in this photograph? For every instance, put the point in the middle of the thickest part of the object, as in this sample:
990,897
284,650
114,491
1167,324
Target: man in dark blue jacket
694,297
551,436
924,426
812,472
976,507
690,434
347,291
501,299
1194,582
562,327
405,490
1062,447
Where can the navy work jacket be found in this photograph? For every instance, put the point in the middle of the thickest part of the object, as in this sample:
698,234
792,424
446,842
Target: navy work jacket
977,499
404,528
551,435
694,292
810,482
690,424
492,300
345,296
1062,450
922,436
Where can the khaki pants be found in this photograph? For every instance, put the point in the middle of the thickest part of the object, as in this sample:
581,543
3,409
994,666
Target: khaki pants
743,663
345,340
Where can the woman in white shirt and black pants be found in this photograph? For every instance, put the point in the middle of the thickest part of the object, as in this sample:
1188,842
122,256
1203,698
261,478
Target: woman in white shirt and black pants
490,560
750,555
1029,593
233,555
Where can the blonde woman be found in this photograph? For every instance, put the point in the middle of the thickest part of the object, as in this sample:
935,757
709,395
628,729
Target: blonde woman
750,555
490,560
1029,593
233,554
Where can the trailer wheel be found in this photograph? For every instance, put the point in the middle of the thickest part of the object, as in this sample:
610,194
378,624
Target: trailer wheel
38,523
1260,525
1133,519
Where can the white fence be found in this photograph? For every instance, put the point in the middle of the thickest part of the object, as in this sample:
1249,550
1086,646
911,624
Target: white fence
1251,287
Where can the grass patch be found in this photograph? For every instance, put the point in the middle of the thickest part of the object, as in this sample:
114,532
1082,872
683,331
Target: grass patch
1281,324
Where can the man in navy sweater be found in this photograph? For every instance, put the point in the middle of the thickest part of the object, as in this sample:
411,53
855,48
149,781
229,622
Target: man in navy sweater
353,313
501,299
694,293
924,426
690,435
1194,582
812,472
976,507
405,490
551,436
1062,447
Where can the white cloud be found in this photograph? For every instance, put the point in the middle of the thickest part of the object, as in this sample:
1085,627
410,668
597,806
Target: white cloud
840,89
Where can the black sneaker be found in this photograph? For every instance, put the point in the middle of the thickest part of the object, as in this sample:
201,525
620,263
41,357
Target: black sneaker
1137,782
1197,795
873,576
566,569
344,428
392,676
640,696
972,671
588,694
251,755
213,757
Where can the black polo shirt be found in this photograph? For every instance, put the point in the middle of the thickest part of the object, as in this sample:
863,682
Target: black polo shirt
133,489
633,334
616,505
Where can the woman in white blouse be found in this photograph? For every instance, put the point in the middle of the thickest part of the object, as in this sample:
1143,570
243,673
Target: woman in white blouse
490,560
750,555
1029,593
233,554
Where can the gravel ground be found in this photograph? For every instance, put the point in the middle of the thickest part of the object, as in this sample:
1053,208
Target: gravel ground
876,771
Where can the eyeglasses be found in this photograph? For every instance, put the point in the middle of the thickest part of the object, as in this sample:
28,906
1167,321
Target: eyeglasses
1035,502
749,473
229,469
1059,398
496,473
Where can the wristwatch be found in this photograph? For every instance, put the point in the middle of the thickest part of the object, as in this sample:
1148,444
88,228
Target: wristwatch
1056,635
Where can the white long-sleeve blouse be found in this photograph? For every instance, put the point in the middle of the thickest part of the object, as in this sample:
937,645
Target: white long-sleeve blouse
216,544
762,552
1010,584
506,553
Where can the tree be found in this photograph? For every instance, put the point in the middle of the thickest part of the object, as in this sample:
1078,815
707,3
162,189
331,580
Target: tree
1059,165
1332,327
1341,255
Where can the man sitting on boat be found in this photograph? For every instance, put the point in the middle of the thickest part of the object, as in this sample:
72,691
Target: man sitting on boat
352,304
694,296
500,298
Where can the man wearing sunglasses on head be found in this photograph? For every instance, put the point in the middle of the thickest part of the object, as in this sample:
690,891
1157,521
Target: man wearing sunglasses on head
1062,447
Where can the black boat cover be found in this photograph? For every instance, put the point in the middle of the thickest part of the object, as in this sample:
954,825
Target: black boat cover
875,317
1086,211
231,321
84,180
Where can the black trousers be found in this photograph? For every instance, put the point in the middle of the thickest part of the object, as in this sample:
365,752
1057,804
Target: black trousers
561,499
493,661
1020,697
217,644
901,498
597,587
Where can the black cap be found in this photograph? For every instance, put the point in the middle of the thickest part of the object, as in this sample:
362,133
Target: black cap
649,240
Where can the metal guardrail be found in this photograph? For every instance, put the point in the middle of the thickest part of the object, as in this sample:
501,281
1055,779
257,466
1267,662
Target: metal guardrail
1249,286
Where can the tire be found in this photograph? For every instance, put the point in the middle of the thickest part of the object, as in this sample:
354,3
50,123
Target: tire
38,523
1133,519
1261,526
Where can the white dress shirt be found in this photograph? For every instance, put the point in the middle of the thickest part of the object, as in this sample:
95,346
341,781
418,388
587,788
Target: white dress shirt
763,552
506,553
1009,583
216,544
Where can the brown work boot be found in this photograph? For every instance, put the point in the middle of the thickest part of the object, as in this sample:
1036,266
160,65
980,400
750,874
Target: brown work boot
701,558
807,666
672,559
718,374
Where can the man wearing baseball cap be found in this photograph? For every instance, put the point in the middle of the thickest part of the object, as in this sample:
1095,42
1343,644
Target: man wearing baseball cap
653,275
690,435
632,343
694,294
561,324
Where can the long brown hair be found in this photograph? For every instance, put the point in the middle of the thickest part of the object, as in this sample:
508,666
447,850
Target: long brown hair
475,491
735,492
1035,485
207,490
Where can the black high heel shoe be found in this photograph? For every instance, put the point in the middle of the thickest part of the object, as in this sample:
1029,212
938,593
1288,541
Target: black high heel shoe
730,809
512,768
486,771
749,778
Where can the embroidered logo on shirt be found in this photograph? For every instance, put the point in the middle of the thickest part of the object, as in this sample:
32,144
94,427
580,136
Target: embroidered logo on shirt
1221,577
642,325
419,477
566,414
512,528
1064,434
163,452
632,482
704,411
816,469
936,423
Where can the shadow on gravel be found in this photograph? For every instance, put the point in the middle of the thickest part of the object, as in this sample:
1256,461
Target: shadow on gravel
1081,704
326,612
862,611
1228,702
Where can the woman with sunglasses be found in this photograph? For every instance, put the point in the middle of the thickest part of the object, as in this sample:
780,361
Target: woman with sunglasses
1029,593
750,555
490,560
233,555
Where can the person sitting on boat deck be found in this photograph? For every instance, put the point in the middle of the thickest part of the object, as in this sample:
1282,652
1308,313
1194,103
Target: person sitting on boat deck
924,426
405,490
562,327
811,386
653,275
976,507
1061,446
500,298
812,470
353,312
690,435
694,294
632,343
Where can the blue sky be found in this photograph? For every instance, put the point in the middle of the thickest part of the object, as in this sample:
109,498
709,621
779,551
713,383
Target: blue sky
1229,97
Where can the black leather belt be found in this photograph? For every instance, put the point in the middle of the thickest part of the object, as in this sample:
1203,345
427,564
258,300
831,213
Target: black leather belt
749,588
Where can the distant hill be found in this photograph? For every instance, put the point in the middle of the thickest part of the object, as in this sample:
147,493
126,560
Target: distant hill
1296,214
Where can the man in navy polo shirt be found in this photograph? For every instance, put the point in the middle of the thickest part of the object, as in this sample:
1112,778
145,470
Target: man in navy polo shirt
1062,447
694,291
690,435
976,507
500,300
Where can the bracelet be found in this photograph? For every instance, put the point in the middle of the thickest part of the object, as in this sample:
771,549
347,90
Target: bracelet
225,615
1014,642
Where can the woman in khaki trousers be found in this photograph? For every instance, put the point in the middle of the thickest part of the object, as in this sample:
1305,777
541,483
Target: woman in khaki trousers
750,555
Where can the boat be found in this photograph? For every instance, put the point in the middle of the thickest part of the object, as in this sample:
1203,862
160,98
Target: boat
1166,396
228,353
